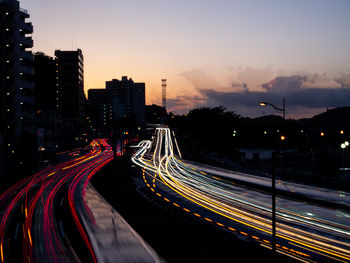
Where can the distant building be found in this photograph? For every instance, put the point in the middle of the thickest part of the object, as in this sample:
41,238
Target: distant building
70,100
121,100
16,79
101,108
128,98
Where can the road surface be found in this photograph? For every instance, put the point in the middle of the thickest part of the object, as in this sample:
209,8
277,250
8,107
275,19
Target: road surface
306,231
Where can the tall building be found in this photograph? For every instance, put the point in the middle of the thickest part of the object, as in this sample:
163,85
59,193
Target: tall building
48,122
122,100
129,98
70,92
16,78
45,82
101,109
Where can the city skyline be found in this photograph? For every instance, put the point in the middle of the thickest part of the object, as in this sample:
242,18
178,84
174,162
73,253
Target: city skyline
199,47
90,173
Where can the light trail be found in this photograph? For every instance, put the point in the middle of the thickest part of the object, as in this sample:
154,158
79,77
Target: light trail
317,237
36,196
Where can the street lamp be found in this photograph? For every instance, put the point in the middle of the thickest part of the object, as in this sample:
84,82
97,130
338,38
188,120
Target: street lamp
273,187
283,109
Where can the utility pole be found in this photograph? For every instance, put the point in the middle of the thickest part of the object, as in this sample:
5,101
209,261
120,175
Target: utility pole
273,175
273,159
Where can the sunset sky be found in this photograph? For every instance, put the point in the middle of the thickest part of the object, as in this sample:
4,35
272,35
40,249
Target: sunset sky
206,49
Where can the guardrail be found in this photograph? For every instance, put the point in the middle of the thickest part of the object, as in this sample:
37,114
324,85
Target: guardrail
23,10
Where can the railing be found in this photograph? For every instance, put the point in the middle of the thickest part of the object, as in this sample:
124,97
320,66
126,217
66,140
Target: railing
23,10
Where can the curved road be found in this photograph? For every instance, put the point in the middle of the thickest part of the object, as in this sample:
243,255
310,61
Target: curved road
305,231
30,209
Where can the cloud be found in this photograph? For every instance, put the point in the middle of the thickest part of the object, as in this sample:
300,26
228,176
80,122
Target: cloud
182,104
296,82
255,77
309,100
305,94
343,80
201,80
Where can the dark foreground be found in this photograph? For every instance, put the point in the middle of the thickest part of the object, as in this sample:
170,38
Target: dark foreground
176,237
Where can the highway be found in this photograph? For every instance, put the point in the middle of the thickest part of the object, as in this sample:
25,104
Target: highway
37,213
306,231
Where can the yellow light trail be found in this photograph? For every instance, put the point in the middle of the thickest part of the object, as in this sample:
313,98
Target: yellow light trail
2,253
86,159
30,237
51,174
166,164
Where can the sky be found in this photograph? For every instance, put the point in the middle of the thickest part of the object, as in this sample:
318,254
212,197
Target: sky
212,52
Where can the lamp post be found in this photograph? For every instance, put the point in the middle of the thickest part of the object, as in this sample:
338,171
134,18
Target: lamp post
273,175
343,146
283,109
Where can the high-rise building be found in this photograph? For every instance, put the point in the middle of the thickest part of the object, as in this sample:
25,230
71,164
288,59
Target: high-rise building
16,78
101,111
45,82
70,92
129,98
48,122
121,100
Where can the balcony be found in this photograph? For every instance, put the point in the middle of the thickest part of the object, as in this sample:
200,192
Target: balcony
27,28
27,100
24,13
27,55
26,84
23,10
26,70
26,42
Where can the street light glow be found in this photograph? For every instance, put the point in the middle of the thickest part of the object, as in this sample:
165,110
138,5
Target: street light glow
262,103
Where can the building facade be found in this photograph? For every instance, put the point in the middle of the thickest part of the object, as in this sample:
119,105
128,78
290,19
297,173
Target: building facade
128,98
70,99
16,80
122,100
45,82
48,122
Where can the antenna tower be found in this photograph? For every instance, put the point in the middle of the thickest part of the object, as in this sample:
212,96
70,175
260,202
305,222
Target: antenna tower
164,100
